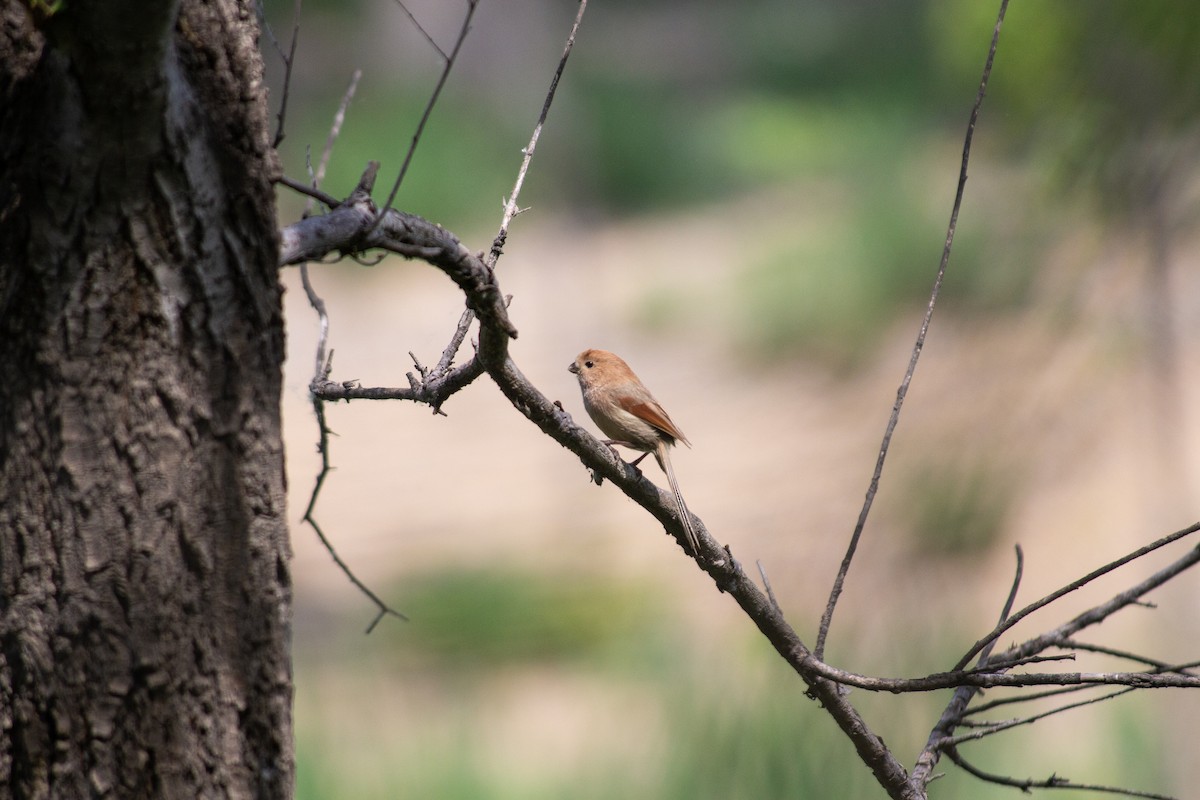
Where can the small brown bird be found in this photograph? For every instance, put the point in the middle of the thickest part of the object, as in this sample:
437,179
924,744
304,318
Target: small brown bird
624,409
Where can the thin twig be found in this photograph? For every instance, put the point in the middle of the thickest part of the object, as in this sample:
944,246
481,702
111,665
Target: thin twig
266,28
1008,603
762,571
1053,782
956,709
326,468
923,771
456,340
510,207
321,370
1003,664
1028,697
827,617
420,28
1162,666
988,729
324,366
288,62
433,98
335,130
1007,624
303,188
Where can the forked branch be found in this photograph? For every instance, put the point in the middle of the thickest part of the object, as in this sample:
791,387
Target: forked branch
355,226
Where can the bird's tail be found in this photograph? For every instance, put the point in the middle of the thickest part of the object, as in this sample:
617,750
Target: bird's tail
663,456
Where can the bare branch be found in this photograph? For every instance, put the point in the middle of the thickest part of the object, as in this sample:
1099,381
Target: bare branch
510,207
303,188
957,707
762,571
433,98
287,79
1054,638
322,368
433,390
1028,697
827,617
725,572
1053,782
1161,666
323,448
354,227
1007,624
335,130
986,680
456,340
288,59
987,729
422,30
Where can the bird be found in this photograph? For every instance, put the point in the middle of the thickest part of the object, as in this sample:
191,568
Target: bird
623,408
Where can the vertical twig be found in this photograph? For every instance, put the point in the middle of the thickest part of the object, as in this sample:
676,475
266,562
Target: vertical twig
323,448
334,131
839,581
511,208
433,98
422,30
324,366
288,61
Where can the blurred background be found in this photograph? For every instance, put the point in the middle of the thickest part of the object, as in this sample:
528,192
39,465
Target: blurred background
748,202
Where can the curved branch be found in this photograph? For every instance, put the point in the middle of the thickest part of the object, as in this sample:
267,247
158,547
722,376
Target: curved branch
1053,782
354,227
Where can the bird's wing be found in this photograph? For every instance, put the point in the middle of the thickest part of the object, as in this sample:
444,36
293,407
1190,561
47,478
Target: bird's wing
652,412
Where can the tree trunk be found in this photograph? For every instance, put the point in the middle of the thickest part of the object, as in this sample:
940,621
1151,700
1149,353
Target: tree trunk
145,599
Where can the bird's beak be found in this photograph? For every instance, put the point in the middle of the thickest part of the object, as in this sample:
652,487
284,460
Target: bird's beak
573,368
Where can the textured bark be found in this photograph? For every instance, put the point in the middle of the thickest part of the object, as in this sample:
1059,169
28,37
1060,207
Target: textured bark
145,599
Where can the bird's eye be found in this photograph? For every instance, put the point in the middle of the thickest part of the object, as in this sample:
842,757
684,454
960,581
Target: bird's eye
588,364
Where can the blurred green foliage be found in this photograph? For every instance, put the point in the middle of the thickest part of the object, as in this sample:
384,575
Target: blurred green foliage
1100,96
846,104
458,176
1108,92
483,619
705,722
